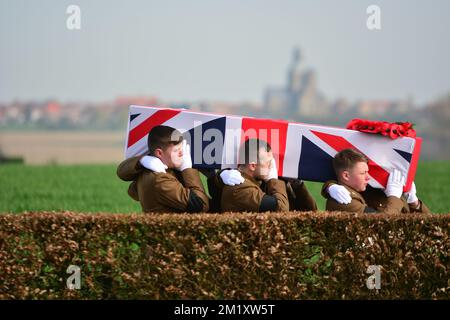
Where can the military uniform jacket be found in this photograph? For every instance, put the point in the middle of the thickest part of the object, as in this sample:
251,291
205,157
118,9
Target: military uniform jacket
371,200
255,196
164,192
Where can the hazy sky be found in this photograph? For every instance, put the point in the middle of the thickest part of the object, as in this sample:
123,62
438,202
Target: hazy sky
226,50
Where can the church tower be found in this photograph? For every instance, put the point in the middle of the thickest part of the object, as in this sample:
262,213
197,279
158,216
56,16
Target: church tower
295,72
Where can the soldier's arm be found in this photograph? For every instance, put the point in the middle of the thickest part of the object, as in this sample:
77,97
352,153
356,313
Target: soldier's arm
132,191
189,197
242,197
325,187
422,208
303,199
198,199
276,198
393,205
215,187
249,197
355,206
129,169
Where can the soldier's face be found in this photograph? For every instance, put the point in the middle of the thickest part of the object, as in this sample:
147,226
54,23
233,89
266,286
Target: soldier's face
357,177
172,156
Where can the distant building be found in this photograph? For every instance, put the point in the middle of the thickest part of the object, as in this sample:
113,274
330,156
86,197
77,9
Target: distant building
377,108
300,97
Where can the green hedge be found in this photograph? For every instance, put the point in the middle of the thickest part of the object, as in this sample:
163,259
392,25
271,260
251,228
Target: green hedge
224,256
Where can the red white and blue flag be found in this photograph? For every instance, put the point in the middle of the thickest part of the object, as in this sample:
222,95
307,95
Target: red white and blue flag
301,150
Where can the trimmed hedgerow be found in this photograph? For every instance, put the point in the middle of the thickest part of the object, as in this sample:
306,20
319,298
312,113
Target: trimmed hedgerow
224,256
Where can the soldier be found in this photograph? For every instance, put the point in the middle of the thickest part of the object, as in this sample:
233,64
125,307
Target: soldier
352,171
164,180
261,190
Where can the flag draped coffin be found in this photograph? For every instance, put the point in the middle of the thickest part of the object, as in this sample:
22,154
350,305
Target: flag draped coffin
301,150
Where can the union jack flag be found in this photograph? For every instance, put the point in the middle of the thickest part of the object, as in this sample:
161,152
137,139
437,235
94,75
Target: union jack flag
301,150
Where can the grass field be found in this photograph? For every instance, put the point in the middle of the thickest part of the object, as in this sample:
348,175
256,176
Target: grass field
64,147
96,188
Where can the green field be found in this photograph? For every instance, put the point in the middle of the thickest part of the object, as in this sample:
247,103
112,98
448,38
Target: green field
96,188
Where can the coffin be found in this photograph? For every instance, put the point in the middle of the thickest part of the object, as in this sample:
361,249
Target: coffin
301,150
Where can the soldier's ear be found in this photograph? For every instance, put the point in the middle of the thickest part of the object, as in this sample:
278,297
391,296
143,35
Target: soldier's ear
158,153
252,166
345,175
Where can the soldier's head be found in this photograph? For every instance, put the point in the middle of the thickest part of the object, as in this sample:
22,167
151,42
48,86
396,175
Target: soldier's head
255,157
352,169
165,143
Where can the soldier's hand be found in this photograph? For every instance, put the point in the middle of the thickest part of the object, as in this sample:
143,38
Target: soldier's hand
412,195
273,172
153,163
395,184
187,161
231,177
339,193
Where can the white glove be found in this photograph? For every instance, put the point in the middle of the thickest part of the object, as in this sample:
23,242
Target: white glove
187,161
412,197
153,163
231,177
395,184
273,172
340,194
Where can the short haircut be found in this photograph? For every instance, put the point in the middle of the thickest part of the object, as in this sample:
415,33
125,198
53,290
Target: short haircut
249,150
346,159
161,137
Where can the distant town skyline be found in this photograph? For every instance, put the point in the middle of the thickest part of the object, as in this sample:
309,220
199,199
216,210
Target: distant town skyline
222,50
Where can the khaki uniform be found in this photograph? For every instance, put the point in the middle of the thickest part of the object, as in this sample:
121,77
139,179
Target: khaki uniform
299,197
248,196
371,200
164,192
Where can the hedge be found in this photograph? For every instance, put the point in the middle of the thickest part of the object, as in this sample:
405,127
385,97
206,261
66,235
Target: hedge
224,256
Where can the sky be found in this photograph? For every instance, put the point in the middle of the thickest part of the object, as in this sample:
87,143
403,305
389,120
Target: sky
221,50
